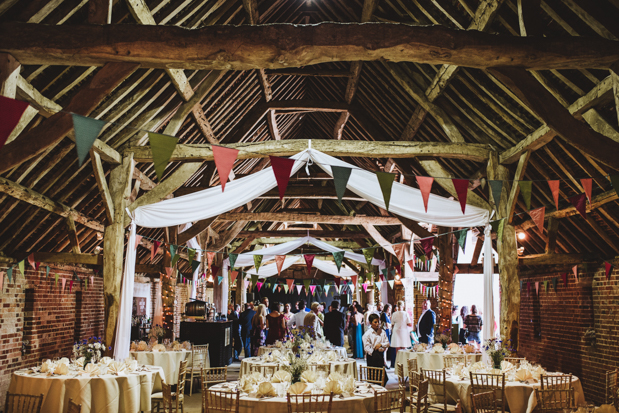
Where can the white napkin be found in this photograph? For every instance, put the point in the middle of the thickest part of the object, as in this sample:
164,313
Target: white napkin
421,347
133,346
246,385
92,369
479,366
106,360
256,377
266,389
176,346
117,367
298,388
523,375
309,376
335,376
438,348
132,365
142,346
64,360
186,345
606,408
61,369
348,385
47,366
281,376
333,386
159,347
80,362
506,366
537,372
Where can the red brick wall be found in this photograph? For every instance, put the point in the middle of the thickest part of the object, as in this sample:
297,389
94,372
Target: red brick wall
34,310
553,326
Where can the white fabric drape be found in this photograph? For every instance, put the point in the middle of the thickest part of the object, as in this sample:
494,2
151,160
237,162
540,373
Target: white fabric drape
158,311
123,324
488,330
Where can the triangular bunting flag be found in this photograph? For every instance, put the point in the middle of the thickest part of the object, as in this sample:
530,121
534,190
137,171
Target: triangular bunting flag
400,251
425,186
92,280
138,239
86,284
525,190
12,111
233,275
312,289
259,285
545,286
391,282
307,283
579,203
341,175
456,269
232,257
70,285
521,285
501,228
168,271
462,187
554,284
9,273
337,281
289,283
55,280
309,260
194,266
338,256
286,288
21,265
385,180
214,270
31,261
378,284
274,287
426,244
411,264
162,147
614,180
254,280
365,287
299,287
257,262
587,185
279,262
368,253
210,256
354,279
537,215
461,236
554,188
281,168
326,289
172,253
607,267
86,133
575,271
64,282
564,276
154,250
528,288
191,253
224,161
46,271
496,188
536,287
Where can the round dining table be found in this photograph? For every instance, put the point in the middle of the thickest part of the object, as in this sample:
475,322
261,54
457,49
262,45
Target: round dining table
431,361
169,361
129,392
347,367
341,351
358,402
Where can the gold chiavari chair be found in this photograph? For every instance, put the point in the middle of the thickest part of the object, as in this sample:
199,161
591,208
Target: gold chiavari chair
399,371
554,400
419,400
411,365
515,360
452,361
612,387
214,375
390,401
309,403
177,395
484,402
556,381
437,391
414,378
219,401
326,368
199,360
482,383
22,403
267,371
74,408
374,375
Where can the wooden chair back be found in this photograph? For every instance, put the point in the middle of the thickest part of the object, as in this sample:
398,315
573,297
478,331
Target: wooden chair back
390,401
326,368
220,401
411,365
399,371
182,374
419,401
482,383
554,400
556,381
23,403
309,403
74,408
612,386
414,378
484,402
199,356
214,375
452,361
437,389
168,400
374,375
515,360
266,371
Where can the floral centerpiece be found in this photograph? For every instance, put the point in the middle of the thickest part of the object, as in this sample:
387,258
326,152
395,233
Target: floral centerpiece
497,351
157,332
297,366
442,337
90,349
302,341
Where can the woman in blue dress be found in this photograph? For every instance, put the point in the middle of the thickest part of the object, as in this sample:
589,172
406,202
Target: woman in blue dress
356,321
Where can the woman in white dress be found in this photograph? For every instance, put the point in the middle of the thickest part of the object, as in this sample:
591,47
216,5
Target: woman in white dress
401,324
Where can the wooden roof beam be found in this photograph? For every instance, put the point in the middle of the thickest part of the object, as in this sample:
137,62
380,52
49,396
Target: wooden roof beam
279,46
318,219
301,233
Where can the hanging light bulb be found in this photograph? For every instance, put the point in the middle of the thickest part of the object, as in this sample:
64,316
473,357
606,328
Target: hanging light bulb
210,278
522,235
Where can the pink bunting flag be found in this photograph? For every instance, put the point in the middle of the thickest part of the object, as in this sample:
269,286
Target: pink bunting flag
456,270
71,286
579,203
411,264
537,215
554,188
400,251
92,280
312,289
12,111
281,168
168,271
1,282
607,266
309,260
564,277
427,243
299,287
64,282
462,187
209,258
224,161
138,239
425,186
154,250
31,261
233,275
279,261
290,283
587,184
575,271
365,287
536,287
259,285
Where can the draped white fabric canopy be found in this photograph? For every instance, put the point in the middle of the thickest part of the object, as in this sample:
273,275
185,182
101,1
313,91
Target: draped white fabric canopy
405,201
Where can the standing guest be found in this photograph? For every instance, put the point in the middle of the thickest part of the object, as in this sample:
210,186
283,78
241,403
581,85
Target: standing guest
379,307
369,309
335,323
312,320
375,342
281,308
297,320
356,323
464,311
473,324
401,324
324,306
425,325
287,313
258,327
296,307
385,323
236,330
245,323
265,301
276,325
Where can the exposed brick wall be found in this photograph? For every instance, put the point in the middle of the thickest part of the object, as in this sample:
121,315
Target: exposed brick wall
553,326
182,296
50,320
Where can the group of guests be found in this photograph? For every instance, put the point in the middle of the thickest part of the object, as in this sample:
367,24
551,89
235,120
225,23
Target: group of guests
469,324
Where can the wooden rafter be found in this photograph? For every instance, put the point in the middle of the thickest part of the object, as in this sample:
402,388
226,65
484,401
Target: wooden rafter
318,219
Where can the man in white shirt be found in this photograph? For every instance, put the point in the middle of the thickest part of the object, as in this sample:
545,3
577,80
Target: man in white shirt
297,319
375,342
312,320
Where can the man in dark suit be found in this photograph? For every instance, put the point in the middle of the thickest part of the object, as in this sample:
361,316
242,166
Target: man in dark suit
245,323
425,325
335,323
236,330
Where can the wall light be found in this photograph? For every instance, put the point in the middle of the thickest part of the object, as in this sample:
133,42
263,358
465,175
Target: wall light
522,235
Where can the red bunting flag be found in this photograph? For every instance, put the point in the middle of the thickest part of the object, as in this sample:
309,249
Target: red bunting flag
456,270
309,260
462,187
31,261
398,268
154,250
214,270
427,246
290,283
224,161
425,186
233,275
279,261
411,264
209,258
400,251
528,288
138,239
537,215
354,280
337,281
587,184
575,271
564,277
281,168
579,203
11,111
71,286
608,266
554,188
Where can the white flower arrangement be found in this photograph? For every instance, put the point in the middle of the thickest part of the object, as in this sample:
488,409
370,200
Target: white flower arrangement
90,349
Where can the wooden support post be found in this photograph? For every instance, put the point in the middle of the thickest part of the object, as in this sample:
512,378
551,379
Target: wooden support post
97,166
113,243
73,238
553,229
445,280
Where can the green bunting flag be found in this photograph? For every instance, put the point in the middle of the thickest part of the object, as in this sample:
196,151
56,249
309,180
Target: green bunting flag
9,272
286,288
545,286
341,175
232,258
21,265
321,282
496,187
338,256
254,281
614,180
385,272
86,284
86,132
520,285
461,235
307,283
191,253
385,180
368,253
257,261
525,189
174,255
554,284
56,280
161,147
194,266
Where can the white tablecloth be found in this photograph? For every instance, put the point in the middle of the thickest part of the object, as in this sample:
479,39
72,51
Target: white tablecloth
520,397
347,367
358,403
169,361
128,393
341,351
430,361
